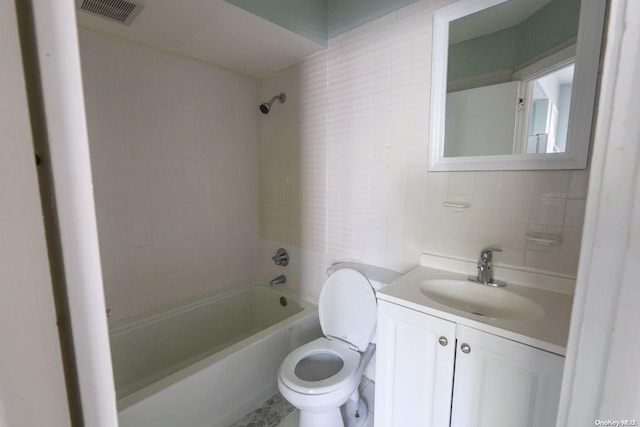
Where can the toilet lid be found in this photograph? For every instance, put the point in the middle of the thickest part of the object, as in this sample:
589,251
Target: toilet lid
347,308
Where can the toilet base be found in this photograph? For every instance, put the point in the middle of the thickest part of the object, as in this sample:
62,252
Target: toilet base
346,416
355,417
321,419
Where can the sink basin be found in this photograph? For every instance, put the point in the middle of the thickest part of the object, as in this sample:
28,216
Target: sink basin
480,300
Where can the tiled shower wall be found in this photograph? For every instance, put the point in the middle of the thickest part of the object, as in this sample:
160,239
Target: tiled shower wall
344,167
174,157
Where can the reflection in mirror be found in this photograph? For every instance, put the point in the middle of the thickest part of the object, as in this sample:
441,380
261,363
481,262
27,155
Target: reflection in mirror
493,108
549,101
513,84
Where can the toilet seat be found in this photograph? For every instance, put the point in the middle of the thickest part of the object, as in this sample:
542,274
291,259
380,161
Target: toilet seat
321,378
350,358
348,308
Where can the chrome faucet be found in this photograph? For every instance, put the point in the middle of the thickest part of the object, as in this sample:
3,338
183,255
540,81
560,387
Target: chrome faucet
485,269
278,280
281,257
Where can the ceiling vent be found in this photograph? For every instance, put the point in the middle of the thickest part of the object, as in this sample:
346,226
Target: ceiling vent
121,11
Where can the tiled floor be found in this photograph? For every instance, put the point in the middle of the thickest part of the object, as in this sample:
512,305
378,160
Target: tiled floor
270,414
292,420
277,412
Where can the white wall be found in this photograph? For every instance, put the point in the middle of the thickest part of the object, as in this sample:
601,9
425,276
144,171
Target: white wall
174,157
343,167
481,121
563,116
32,387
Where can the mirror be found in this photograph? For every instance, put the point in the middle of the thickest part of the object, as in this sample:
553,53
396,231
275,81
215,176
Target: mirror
513,84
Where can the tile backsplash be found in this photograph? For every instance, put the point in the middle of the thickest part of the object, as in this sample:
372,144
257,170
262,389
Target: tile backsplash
503,208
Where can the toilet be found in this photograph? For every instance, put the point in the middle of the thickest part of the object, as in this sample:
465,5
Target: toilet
321,378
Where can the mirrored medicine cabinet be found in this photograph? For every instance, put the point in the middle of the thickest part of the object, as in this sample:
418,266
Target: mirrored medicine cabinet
513,84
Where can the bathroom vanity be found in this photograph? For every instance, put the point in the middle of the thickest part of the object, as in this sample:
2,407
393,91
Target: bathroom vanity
454,352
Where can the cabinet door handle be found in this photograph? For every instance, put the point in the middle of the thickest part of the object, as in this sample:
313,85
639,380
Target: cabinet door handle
465,348
443,341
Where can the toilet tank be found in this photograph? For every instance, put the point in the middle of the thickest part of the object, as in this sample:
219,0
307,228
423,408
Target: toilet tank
378,277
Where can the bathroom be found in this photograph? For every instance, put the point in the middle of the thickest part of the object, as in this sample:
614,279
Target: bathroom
195,190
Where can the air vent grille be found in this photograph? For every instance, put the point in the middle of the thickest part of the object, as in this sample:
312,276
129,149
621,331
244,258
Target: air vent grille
115,10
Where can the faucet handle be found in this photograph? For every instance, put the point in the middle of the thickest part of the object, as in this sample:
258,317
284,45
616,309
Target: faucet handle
281,257
487,253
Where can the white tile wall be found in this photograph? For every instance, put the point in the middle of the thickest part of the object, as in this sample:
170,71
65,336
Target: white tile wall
174,155
342,162
343,166
305,271
504,206
376,155
293,156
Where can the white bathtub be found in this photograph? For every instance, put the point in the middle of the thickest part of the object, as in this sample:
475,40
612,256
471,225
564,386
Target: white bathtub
206,363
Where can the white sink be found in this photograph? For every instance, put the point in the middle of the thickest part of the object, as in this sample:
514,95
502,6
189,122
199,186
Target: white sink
480,300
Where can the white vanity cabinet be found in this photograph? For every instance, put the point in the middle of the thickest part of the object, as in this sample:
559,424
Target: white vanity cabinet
414,368
497,381
502,383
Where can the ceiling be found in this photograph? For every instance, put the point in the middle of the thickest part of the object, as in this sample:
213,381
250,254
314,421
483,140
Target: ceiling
213,31
223,34
500,17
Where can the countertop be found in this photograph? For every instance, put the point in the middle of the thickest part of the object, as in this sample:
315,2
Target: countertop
550,332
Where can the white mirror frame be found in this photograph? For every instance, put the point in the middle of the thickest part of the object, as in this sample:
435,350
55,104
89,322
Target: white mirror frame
583,96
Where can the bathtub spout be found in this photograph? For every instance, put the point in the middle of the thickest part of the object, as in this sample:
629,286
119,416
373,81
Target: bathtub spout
278,280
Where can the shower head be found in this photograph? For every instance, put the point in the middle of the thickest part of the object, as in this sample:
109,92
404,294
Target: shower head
266,107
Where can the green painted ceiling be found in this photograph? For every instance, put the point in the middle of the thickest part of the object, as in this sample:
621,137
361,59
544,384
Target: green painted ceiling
320,20
553,25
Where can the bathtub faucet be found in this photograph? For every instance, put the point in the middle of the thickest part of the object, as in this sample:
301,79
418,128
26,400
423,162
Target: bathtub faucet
278,280
281,257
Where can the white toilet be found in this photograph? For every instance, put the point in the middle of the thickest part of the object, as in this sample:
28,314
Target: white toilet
321,378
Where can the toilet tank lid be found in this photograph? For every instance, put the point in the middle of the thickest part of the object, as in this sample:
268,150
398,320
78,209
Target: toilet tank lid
378,276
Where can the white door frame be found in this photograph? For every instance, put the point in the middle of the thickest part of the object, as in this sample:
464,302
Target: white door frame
602,366
58,55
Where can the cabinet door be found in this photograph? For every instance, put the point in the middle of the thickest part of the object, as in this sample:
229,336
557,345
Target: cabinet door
503,383
414,370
